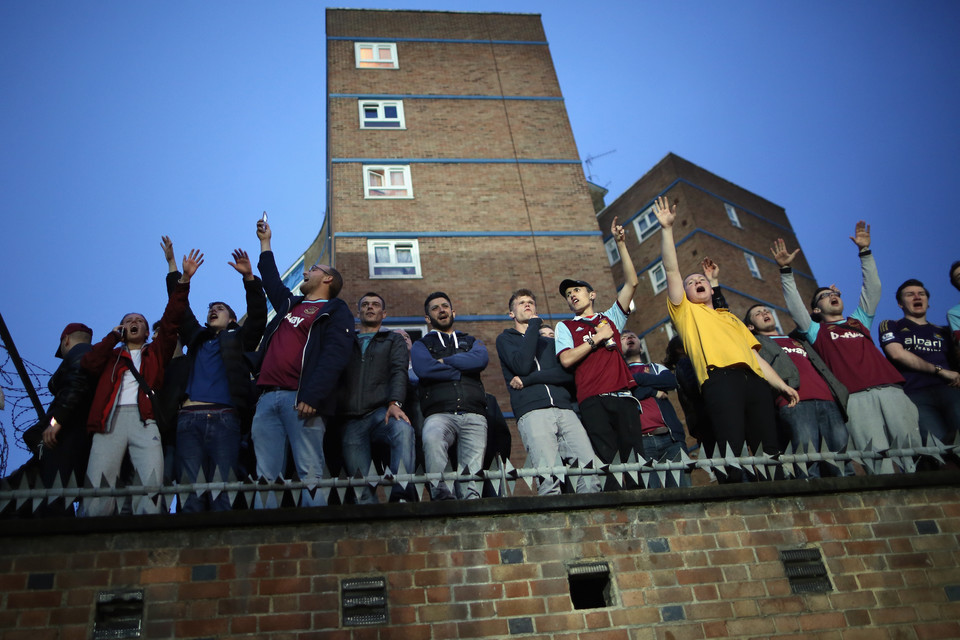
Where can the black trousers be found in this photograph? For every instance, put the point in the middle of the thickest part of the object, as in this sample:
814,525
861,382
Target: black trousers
741,410
613,425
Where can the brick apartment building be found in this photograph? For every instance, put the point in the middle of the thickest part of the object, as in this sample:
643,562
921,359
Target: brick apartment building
716,218
452,167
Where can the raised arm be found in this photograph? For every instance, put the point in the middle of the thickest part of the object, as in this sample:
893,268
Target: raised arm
667,215
870,290
630,279
189,324
798,311
712,271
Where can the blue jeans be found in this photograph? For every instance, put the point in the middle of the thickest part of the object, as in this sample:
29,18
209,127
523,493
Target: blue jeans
360,433
663,448
810,422
440,431
275,424
208,440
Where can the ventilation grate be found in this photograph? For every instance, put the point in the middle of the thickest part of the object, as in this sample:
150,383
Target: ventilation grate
363,602
805,571
119,614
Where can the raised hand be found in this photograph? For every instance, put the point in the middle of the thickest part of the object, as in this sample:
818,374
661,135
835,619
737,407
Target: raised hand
263,230
241,262
780,253
861,235
167,244
712,270
617,231
191,263
665,214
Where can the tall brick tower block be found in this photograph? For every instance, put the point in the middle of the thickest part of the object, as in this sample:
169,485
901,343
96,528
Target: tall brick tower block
452,167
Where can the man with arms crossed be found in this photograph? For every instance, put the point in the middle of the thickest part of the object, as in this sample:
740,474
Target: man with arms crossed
452,398
540,396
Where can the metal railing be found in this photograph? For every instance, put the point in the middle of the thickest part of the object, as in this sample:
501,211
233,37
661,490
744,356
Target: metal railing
28,493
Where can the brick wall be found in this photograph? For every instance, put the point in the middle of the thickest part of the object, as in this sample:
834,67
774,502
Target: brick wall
701,563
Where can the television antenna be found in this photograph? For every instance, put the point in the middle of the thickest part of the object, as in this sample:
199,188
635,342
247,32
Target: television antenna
588,161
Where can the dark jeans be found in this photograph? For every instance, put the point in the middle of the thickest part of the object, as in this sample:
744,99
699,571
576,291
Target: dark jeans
939,408
208,440
811,422
663,448
741,410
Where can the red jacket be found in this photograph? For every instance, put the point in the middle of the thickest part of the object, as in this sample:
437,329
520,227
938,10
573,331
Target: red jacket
107,362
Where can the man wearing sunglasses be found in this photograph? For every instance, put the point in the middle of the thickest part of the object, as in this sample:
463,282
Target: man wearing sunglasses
879,412
305,348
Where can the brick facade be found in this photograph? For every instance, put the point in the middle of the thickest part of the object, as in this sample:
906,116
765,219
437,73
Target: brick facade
701,563
500,199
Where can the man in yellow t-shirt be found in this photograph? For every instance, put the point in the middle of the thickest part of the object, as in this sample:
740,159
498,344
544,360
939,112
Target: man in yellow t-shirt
733,378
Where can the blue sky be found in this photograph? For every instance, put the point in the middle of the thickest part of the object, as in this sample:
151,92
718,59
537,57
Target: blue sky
124,121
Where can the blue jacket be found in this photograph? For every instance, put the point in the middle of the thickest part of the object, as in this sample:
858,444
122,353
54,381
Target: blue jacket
534,359
329,343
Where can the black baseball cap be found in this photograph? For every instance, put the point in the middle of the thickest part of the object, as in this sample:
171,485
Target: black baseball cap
566,284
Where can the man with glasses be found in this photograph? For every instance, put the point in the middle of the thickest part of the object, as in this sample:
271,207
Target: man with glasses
879,414
920,351
305,349
215,401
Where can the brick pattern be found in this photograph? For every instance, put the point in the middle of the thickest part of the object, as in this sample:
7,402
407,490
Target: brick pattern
707,570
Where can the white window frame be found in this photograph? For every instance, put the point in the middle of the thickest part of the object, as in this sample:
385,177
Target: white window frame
658,284
613,253
387,171
670,329
732,215
752,266
384,55
376,269
381,120
650,217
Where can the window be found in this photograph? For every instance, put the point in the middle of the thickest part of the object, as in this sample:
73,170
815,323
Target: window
613,254
732,215
372,55
658,278
394,258
646,352
670,329
646,224
752,265
381,114
387,182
